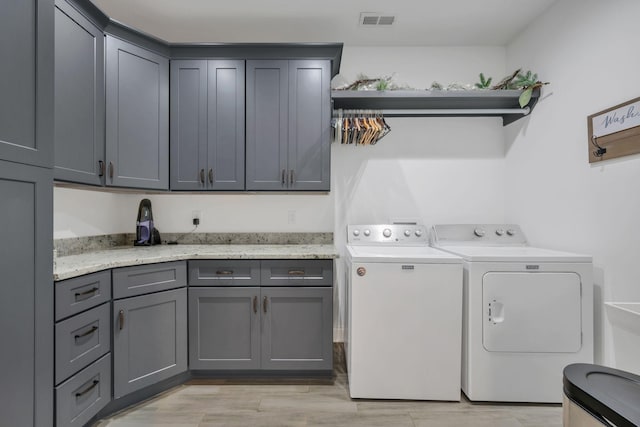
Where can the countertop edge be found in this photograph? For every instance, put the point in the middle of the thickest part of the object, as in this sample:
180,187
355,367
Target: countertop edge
72,266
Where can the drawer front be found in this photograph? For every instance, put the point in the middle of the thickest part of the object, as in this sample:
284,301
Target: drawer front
144,279
81,339
81,293
82,396
224,273
297,273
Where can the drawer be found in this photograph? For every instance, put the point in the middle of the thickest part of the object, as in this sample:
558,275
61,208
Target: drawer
144,279
81,293
81,339
297,273
224,273
82,396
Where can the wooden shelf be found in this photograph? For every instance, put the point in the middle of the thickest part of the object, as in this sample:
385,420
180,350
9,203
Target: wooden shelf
438,103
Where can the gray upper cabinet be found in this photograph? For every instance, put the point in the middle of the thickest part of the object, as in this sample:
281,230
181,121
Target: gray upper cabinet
137,116
26,295
79,98
207,124
26,113
309,153
288,123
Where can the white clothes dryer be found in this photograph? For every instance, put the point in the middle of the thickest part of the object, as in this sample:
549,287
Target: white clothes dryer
527,312
404,315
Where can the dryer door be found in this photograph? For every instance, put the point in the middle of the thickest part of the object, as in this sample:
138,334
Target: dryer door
531,312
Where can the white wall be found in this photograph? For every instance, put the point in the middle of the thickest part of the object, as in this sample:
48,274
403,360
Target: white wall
588,50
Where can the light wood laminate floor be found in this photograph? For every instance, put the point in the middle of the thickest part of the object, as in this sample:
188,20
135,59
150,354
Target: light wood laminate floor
316,404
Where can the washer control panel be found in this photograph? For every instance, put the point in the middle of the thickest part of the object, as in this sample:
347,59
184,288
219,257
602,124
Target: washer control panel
399,234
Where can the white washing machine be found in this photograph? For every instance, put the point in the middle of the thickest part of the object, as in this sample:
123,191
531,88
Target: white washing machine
404,315
527,313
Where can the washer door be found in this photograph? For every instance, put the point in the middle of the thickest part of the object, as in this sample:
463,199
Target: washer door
531,312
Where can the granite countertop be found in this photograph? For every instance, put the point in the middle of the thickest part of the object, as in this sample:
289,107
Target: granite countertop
66,267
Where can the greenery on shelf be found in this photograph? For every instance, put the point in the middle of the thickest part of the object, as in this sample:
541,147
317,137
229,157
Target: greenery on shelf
526,82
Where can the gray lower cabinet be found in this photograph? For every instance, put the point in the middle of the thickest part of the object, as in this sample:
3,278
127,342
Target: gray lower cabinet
288,125
297,328
224,328
137,116
26,86
237,327
207,124
79,98
82,396
150,329
26,290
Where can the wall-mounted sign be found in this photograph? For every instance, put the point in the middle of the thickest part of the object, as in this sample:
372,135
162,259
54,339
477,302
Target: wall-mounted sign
614,132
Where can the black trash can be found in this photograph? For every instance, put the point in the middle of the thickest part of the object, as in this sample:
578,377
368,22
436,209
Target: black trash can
597,395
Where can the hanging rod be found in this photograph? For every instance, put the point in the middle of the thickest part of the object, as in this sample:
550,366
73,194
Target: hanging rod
454,112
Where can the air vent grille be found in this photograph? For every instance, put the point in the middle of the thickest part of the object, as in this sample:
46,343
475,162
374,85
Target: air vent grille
372,19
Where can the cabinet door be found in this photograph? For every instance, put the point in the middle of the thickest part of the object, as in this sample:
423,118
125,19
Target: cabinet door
309,153
225,125
297,328
26,295
26,112
79,98
188,125
149,339
224,328
267,124
137,116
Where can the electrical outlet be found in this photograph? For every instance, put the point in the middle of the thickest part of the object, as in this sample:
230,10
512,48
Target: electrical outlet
195,217
291,217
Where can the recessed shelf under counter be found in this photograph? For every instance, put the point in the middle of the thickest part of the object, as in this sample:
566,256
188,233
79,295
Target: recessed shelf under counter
438,103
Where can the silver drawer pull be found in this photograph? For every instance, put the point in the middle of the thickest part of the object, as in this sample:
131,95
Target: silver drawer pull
224,272
84,334
88,389
87,292
296,272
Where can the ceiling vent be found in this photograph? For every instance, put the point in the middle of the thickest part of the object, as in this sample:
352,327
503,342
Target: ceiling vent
372,19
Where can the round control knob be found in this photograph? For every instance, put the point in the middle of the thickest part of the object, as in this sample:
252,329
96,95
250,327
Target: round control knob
386,232
367,232
356,233
407,233
499,231
479,232
511,232
361,271
418,232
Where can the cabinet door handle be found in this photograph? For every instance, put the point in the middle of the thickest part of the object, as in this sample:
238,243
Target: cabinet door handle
88,389
224,272
121,318
255,304
291,177
100,168
87,292
210,176
202,176
264,304
84,334
284,173
296,272
111,170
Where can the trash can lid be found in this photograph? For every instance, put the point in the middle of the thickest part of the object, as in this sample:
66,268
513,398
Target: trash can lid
605,392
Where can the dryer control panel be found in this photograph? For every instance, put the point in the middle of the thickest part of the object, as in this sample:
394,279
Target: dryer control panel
387,234
478,234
